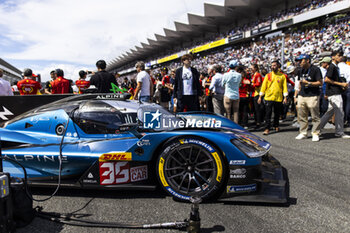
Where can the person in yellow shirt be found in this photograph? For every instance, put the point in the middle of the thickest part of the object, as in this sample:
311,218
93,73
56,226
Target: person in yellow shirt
274,89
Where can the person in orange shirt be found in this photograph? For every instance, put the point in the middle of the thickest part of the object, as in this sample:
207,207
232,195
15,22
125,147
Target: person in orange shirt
60,85
28,86
82,84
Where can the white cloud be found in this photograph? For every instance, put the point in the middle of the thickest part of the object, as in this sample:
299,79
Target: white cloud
84,31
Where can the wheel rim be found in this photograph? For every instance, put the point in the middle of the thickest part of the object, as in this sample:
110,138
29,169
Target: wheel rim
190,169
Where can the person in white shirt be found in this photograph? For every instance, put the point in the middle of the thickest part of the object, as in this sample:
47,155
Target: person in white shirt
218,90
144,87
344,70
187,89
323,101
5,86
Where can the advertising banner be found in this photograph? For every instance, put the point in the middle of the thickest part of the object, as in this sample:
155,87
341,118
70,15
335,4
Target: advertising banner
285,23
265,28
259,30
254,31
236,36
168,58
208,46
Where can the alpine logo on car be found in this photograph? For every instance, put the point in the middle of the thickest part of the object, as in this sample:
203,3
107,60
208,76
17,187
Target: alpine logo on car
39,158
124,156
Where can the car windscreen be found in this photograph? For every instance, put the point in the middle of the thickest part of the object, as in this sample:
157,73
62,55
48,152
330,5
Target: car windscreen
97,117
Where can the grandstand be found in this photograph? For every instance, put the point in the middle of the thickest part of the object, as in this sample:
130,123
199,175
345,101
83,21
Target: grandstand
11,73
238,22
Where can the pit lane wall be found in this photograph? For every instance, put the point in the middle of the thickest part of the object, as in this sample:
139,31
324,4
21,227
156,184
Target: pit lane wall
12,106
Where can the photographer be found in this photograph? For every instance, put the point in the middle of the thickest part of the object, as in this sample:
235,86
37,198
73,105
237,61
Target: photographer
310,79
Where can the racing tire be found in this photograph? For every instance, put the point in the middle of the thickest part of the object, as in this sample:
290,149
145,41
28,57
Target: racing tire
191,167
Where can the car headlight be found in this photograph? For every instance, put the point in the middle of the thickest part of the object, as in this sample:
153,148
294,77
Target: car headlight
249,147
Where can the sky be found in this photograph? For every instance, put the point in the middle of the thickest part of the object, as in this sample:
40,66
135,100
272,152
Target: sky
72,35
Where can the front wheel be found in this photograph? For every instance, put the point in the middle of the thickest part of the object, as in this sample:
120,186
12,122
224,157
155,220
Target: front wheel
189,167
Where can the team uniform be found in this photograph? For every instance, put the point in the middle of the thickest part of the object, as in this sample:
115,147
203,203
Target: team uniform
60,86
257,81
28,87
244,100
82,85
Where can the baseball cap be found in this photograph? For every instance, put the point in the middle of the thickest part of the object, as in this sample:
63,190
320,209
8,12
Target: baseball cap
326,59
302,56
232,64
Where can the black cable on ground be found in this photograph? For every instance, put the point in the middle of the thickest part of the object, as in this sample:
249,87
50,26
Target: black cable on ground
71,220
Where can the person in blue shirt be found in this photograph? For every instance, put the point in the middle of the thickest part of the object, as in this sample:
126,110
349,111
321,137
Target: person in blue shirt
217,90
231,82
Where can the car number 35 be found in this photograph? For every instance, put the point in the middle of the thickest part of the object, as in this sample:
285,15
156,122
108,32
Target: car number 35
114,173
121,173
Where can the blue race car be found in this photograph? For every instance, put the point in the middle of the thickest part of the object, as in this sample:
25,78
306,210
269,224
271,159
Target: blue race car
108,142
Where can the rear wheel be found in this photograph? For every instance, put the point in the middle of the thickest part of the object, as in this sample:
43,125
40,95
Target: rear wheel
191,167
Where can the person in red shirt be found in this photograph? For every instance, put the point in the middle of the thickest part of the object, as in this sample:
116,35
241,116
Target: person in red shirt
208,97
60,85
165,92
257,80
28,86
244,97
82,84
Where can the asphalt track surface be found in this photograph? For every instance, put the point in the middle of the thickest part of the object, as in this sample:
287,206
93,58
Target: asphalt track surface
319,176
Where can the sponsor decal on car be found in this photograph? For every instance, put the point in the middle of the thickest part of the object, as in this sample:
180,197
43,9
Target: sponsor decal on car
219,166
241,188
39,158
175,194
198,142
123,156
121,173
157,120
237,162
239,173
138,173
143,142
161,172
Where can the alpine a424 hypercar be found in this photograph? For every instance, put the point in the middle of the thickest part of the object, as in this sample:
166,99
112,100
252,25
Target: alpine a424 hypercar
107,142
